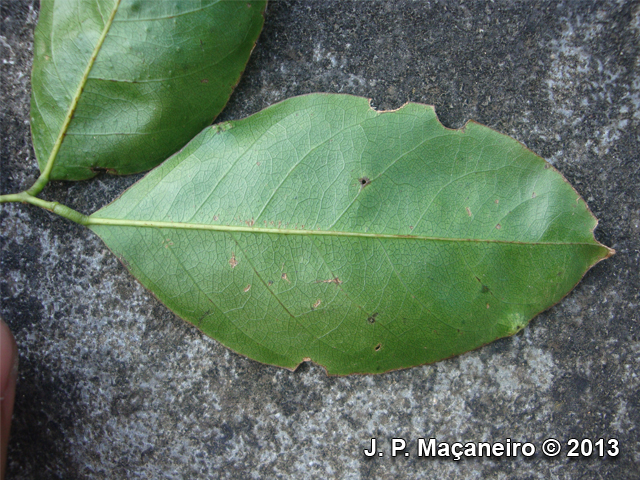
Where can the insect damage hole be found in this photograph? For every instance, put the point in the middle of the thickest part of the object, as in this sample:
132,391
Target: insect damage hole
378,347
364,181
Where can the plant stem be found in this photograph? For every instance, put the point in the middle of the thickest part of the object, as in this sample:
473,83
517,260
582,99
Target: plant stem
54,207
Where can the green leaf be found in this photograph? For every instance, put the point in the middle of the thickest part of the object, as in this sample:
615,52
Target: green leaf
365,241
122,84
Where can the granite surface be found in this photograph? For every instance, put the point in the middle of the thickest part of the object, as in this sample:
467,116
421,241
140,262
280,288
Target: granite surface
113,385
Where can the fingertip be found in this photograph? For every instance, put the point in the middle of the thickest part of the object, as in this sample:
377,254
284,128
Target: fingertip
8,375
8,357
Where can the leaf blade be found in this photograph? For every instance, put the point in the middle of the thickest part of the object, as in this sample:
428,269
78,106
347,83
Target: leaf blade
100,93
268,223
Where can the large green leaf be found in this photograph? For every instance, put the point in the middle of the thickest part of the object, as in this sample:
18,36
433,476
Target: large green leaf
122,84
365,241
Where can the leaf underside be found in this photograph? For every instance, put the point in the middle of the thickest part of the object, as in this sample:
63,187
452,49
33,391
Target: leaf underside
123,84
320,229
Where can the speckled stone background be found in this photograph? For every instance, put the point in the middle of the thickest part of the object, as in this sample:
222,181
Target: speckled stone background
113,385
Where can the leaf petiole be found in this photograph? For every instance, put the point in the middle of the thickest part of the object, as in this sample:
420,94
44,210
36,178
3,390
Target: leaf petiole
54,207
42,180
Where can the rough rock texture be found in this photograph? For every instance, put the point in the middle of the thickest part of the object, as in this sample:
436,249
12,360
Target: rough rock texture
113,385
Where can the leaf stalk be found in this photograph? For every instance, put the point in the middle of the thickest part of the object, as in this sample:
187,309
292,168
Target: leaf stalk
54,207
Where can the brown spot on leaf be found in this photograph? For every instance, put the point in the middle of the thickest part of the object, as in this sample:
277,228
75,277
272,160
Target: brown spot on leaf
204,80
378,347
364,181
284,277
484,288
336,280
232,261
247,288
533,195
111,171
270,282
203,315
487,305
372,318
317,304
468,211
498,226
497,201
250,222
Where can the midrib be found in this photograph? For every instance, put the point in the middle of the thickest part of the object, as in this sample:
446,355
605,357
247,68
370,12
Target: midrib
98,221
76,98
